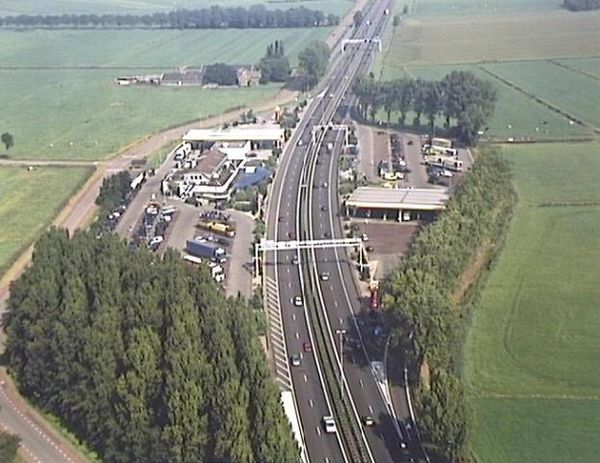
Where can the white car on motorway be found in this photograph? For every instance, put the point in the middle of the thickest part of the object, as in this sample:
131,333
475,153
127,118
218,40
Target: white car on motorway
329,424
298,301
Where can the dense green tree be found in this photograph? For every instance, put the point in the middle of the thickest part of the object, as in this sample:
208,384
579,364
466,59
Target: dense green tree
313,61
214,17
420,296
274,66
141,358
358,18
9,445
220,74
8,140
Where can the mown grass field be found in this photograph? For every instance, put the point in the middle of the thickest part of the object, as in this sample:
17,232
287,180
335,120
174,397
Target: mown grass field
13,7
532,359
495,37
138,49
432,9
29,200
70,107
577,94
79,114
588,65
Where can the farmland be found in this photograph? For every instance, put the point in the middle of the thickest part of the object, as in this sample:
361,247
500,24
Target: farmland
529,36
533,53
555,85
531,352
149,49
30,200
81,114
14,7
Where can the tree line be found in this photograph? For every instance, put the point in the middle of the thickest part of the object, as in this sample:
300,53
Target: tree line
214,17
428,321
581,5
465,102
142,358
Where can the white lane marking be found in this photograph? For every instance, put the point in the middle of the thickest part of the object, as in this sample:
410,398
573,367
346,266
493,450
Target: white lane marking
305,379
335,303
371,409
288,270
297,335
293,316
318,431
311,403
341,321
361,383
289,284
331,287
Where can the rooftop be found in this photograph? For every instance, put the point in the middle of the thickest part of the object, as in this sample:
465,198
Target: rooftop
254,133
410,198
208,163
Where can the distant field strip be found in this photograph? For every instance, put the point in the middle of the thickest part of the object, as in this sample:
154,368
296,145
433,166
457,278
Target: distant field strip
567,91
14,7
146,49
429,41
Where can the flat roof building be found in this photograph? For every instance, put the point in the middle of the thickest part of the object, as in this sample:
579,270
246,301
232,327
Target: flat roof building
396,203
235,134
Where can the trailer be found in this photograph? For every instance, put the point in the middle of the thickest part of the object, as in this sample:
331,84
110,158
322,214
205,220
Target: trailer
205,249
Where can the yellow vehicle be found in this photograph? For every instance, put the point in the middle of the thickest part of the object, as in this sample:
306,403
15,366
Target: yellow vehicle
218,228
393,176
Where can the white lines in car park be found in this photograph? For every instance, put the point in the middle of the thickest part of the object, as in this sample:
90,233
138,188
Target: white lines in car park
276,334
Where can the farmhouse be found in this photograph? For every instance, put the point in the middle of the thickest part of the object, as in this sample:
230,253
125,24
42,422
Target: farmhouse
401,204
188,77
248,76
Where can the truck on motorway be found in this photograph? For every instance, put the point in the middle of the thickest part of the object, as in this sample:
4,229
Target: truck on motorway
205,249
217,227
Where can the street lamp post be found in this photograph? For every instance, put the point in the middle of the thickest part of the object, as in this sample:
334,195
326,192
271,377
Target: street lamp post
341,334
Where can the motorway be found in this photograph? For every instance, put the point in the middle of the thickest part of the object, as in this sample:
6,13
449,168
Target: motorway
304,205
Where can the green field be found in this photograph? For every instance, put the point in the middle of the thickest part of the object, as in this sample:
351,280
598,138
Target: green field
532,359
14,7
467,8
588,65
60,102
548,431
30,200
555,85
533,36
83,115
138,49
